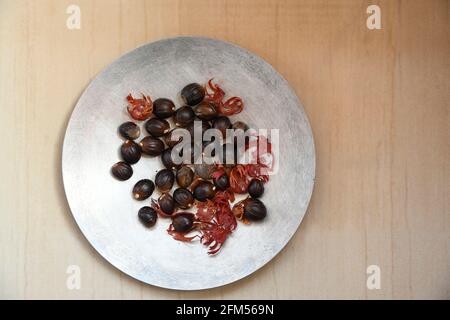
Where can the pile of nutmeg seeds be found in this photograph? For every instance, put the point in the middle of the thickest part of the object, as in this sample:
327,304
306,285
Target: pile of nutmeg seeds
200,206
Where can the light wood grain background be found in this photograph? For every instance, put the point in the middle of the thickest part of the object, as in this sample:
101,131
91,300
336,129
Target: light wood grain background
378,103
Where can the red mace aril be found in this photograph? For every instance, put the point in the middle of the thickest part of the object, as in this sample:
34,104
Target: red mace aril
213,223
238,179
140,109
217,221
215,94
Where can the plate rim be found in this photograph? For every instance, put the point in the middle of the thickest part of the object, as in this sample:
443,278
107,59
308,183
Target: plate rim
91,82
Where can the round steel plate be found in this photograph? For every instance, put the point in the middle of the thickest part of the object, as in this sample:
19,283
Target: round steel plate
103,207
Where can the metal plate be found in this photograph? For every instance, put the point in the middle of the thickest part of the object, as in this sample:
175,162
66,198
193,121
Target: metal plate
103,207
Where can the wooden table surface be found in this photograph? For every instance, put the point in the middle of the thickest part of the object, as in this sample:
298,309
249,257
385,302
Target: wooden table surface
377,100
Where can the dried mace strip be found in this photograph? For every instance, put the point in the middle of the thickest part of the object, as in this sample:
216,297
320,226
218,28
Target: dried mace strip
139,109
143,189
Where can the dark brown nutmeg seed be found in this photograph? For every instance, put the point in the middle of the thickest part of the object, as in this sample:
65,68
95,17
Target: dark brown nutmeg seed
151,146
205,111
167,159
183,222
209,147
130,151
122,171
148,216
166,203
204,126
204,190
185,176
204,170
255,188
193,94
222,123
163,108
164,180
240,128
194,153
157,127
239,125
254,209
143,189
183,197
173,138
184,116
222,182
129,130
